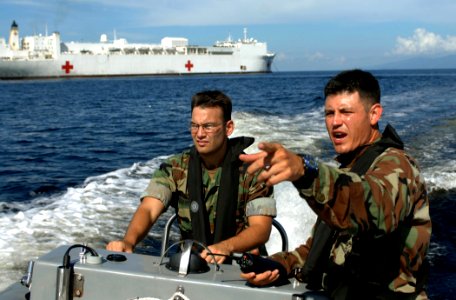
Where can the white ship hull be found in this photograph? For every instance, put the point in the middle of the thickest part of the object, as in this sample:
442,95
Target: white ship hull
79,65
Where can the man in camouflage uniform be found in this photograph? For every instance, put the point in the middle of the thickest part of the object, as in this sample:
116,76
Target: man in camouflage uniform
217,202
373,228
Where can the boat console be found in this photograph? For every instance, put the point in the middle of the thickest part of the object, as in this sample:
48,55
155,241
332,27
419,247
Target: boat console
80,272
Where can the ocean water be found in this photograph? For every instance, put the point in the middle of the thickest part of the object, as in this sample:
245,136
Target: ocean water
76,154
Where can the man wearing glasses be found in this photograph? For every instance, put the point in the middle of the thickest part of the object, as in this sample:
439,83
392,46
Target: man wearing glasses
217,202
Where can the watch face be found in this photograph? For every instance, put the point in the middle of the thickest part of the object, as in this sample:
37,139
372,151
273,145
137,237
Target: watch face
310,164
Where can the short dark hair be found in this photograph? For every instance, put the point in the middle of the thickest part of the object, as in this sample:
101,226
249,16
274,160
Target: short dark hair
213,99
355,81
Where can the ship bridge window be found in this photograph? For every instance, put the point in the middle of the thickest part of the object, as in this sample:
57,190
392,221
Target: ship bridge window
114,50
129,50
143,50
221,52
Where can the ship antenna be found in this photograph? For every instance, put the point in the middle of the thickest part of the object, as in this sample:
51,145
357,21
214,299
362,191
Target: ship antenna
115,35
245,34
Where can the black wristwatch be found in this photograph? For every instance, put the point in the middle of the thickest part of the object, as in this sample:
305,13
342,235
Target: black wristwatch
310,171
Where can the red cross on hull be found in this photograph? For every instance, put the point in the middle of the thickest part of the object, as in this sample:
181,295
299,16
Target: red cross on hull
67,67
189,65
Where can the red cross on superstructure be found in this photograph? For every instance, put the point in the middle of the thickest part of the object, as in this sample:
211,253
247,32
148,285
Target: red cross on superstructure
189,65
67,67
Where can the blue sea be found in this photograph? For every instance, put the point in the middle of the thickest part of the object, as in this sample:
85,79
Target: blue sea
76,154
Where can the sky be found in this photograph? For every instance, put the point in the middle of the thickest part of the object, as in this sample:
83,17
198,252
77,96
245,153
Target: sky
305,35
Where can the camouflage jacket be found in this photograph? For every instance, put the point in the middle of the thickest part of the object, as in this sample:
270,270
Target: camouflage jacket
169,185
392,192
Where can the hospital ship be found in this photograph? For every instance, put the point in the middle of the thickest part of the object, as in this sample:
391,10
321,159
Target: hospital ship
46,56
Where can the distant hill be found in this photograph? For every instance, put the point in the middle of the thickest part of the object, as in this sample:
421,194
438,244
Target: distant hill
443,62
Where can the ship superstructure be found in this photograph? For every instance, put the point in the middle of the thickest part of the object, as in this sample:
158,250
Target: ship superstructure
46,56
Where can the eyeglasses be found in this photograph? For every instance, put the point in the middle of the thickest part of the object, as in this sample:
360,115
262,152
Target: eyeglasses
207,127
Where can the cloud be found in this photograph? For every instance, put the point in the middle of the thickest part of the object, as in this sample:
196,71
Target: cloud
317,56
425,42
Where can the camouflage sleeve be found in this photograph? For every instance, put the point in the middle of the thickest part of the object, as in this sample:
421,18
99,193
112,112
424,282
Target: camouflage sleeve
293,259
385,195
263,206
259,197
163,182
